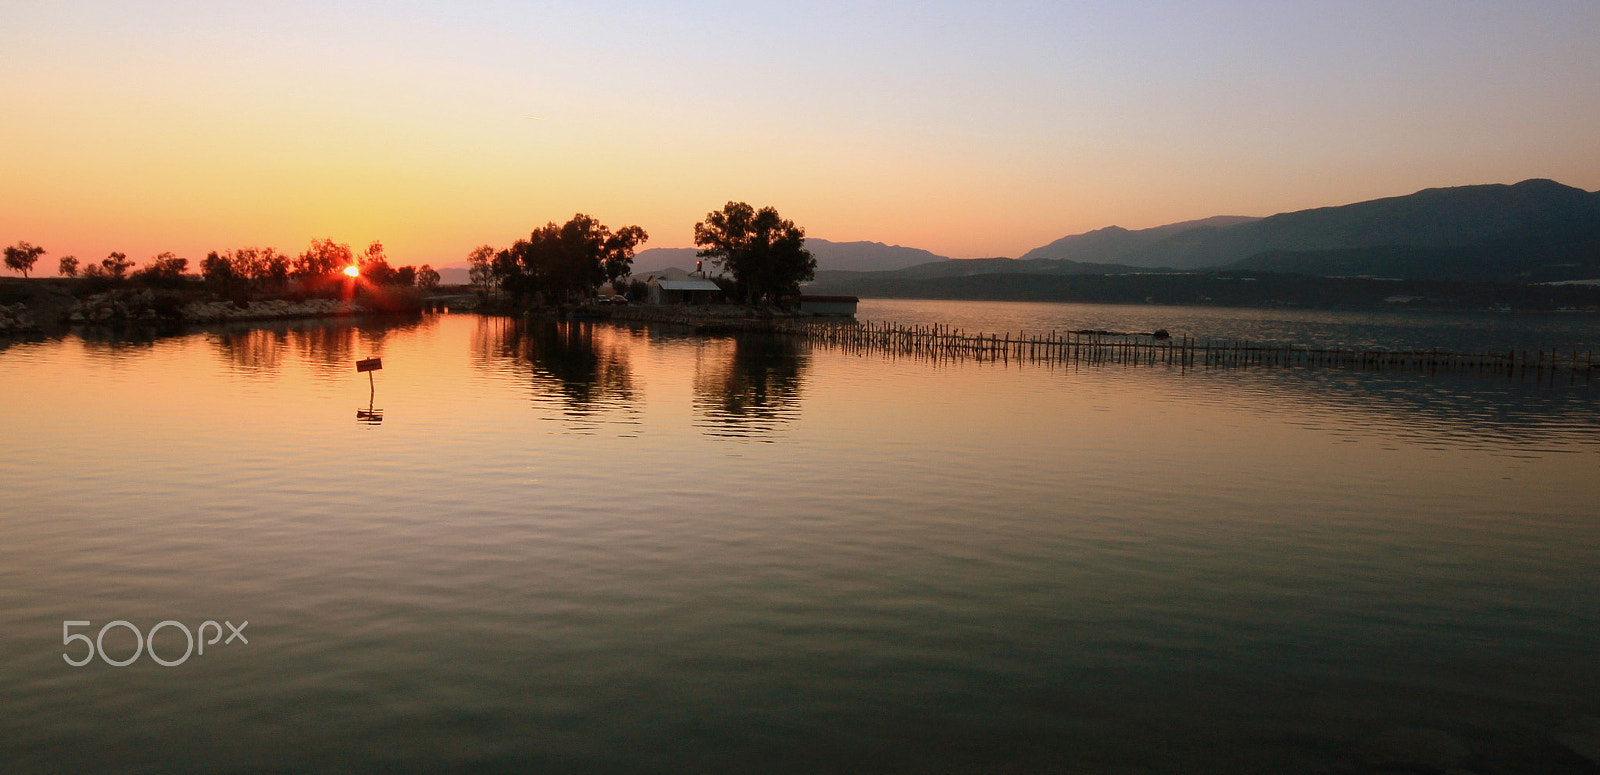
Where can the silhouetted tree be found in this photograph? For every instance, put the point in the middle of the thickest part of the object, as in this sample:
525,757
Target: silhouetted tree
258,264
274,267
324,257
69,266
427,277
480,263
220,270
764,252
375,265
21,257
378,272
116,264
165,269
244,263
569,261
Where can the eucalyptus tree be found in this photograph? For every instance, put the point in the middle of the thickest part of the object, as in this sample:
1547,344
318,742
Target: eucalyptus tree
566,262
763,251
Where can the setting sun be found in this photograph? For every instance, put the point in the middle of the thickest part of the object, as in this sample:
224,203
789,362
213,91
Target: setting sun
353,270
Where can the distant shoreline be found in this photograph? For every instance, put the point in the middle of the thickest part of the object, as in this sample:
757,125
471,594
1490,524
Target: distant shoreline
1239,289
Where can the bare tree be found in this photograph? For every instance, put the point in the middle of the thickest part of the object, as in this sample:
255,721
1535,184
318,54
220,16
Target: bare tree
21,257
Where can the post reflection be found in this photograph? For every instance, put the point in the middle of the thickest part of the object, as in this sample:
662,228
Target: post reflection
749,386
582,367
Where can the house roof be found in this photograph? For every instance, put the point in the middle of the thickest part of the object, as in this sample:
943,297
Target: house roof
687,285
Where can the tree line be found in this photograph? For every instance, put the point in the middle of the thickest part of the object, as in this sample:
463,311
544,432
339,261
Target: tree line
761,255
233,269
323,260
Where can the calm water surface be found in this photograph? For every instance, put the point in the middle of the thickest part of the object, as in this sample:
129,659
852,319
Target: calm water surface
576,547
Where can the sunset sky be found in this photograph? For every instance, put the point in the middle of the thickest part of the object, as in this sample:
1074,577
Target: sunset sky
964,128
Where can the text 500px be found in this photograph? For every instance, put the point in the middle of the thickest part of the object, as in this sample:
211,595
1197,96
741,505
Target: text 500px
146,641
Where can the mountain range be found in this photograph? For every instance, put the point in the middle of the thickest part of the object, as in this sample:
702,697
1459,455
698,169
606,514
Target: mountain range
1533,231
1530,232
1510,230
1116,245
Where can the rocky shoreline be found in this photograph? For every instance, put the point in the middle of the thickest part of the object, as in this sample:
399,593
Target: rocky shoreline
50,308
17,318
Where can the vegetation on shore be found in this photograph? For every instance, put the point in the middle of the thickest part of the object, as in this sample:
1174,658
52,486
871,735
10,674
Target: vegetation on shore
246,283
556,265
1528,246
764,252
761,253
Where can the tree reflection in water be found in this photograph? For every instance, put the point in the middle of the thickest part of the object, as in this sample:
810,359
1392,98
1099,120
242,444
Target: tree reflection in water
581,366
745,387
329,347
253,349
110,342
748,386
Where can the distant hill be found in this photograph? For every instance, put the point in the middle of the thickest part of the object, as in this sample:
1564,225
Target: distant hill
844,256
1116,245
973,267
451,275
665,273
1433,218
1561,245
1396,236
656,259
1465,247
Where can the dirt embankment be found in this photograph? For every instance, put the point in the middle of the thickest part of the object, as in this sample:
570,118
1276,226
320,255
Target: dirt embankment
49,304
31,305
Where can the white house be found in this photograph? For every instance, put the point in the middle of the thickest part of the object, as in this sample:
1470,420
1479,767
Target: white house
691,291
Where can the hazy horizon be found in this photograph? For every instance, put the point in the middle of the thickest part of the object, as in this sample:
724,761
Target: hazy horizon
963,129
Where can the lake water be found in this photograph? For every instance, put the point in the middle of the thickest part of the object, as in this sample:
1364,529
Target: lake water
1400,330
574,547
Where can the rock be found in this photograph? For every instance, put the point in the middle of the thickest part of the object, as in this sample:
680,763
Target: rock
267,309
1416,750
1581,736
16,317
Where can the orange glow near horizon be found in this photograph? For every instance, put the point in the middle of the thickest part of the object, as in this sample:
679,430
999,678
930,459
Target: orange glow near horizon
1035,122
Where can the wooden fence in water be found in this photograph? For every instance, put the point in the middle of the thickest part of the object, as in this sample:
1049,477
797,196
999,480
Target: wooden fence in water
1104,347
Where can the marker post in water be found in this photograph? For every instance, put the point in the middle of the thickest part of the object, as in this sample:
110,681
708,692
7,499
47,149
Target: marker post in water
370,415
